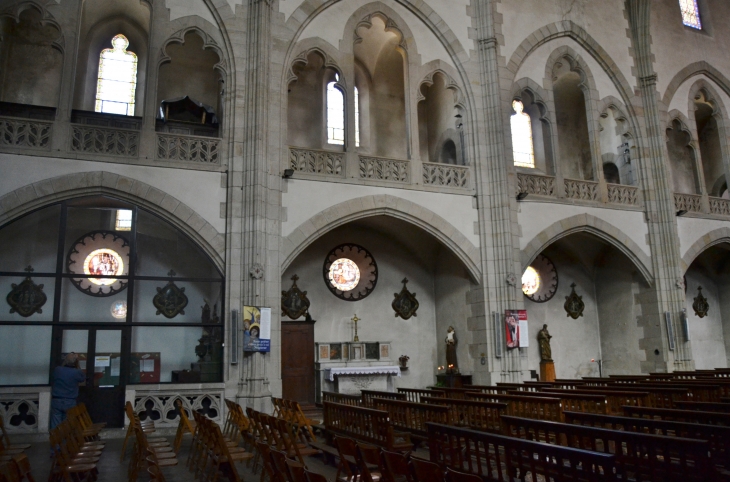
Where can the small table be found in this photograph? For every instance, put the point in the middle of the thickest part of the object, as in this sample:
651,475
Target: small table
354,379
453,380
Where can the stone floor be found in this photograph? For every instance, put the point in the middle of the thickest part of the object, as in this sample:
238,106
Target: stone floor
112,470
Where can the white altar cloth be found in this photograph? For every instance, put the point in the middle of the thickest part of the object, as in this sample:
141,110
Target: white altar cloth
386,370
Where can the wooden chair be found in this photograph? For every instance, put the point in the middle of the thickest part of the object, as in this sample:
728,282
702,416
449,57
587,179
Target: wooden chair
346,448
425,470
314,477
264,452
278,462
396,466
24,469
5,439
143,449
295,471
185,425
458,476
368,455
293,447
68,464
147,426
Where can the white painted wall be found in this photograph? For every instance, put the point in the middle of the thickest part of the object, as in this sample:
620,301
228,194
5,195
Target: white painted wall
707,341
692,229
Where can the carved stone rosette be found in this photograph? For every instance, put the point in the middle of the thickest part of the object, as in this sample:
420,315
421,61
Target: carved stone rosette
27,297
700,305
294,303
574,305
170,300
405,303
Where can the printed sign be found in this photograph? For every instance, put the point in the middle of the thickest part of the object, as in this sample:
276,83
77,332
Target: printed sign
515,325
256,329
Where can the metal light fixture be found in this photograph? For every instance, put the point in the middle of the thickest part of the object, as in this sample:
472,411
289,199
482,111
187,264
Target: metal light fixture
681,212
522,195
288,173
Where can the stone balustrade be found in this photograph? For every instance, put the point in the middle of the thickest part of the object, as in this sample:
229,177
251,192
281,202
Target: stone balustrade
20,411
25,133
382,169
620,194
157,402
581,190
720,206
313,161
536,184
186,148
446,175
688,202
103,140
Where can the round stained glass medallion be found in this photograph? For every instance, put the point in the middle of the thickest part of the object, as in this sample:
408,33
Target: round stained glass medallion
119,309
103,262
350,272
344,274
530,281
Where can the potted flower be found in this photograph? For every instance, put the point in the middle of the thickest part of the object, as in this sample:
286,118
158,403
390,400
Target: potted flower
403,359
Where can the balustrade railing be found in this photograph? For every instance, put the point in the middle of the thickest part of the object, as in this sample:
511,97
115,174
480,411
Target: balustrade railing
536,184
688,202
720,205
16,132
19,411
313,161
581,190
171,147
159,405
446,175
384,169
620,194
100,140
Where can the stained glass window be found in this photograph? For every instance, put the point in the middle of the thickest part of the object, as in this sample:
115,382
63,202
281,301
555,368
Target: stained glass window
117,78
530,281
335,114
522,148
124,220
357,118
690,13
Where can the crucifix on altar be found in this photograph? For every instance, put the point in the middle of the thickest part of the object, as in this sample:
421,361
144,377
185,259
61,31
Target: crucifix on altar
355,319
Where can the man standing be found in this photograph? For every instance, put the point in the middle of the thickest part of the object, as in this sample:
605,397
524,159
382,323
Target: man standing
66,380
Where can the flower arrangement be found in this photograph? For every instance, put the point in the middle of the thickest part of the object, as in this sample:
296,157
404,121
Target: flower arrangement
403,359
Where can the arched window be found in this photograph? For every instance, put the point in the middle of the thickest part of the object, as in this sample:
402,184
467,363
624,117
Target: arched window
335,114
690,13
357,118
522,147
117,78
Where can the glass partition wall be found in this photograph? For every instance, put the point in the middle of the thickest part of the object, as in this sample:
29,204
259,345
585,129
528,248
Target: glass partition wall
132,294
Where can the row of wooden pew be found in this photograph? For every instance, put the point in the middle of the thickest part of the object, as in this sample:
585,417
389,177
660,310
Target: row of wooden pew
640,428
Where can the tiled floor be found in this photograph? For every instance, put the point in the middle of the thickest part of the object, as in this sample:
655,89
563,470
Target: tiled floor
112,470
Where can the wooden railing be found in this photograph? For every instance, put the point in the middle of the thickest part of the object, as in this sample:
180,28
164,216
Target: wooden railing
473,414
412,417
365,424
542,408
415,394
344,398
369,395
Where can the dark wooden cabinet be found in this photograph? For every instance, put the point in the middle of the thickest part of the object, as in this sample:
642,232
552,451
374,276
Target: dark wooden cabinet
453,380
297,361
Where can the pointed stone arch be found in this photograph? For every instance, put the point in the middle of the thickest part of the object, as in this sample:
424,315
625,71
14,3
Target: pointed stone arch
587,223
48,191
697,68
713,238
382,205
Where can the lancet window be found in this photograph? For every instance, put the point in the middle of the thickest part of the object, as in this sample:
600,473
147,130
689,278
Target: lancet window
522,146
117,78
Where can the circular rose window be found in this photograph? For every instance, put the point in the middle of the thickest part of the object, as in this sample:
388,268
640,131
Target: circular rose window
103,262
540,280
101,257
344,274
530,281
350,272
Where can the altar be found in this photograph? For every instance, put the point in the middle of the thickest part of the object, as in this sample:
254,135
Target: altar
350,367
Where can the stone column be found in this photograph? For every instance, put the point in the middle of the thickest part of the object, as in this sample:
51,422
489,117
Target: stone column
495,184
667,294
60,140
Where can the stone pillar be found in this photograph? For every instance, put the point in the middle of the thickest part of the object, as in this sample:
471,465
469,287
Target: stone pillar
667,293
495,183
60,140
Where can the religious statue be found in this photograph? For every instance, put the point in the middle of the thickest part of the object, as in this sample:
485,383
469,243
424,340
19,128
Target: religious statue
543,339
451,365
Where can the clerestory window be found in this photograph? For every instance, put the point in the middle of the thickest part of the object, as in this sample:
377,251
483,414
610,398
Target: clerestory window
690,13
522,147
357,118
335,114
117,78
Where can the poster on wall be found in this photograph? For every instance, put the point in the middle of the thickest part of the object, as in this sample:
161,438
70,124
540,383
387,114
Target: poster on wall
256,329
515,325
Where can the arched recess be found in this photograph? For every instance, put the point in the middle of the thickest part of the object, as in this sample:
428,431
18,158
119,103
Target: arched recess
683,154
618,142
587,223
713,238
697,68
382,205
537,104
31,52
34,196
439,102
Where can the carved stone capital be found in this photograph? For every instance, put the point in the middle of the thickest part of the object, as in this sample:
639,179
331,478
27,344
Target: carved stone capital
256,271
511,279
648,81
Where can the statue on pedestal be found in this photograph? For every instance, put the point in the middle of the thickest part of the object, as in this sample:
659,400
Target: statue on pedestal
543,339
451,364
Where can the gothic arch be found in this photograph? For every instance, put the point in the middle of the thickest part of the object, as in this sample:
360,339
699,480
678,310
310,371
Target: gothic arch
586,223
47,18
713,238
719,113
379,205
325,51
685,123
697,68
209,43
34,196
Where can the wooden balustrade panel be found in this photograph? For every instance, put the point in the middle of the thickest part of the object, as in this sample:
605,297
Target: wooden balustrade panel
717,436
577,402
412,416
639,456
658,397
415,394
499,458
698,392
368,395
688,416
342,398
542,408
457,393
616,399
365,424
478,415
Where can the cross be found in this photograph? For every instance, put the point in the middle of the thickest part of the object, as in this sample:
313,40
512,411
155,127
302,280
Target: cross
30,269
295,278
171,273
355,319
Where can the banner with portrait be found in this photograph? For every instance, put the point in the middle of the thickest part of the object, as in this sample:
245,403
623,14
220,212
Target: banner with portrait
515,325
256,329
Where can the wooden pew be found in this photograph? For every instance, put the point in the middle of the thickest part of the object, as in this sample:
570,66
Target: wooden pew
369,395
457,393
663,397
522,387
499,458
411,416
415,394
542,408
615,399
577,402
699,392
688,416
365,424
717,436
639,456
477,415
487,389
342,398
704,406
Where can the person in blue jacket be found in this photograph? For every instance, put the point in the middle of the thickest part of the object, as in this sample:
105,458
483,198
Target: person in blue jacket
66,380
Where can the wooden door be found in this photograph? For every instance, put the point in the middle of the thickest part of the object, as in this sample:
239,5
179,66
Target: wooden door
297,361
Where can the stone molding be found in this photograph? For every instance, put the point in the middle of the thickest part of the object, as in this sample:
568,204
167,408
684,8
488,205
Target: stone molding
48,191
379,205
713,238
588,223
697,68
